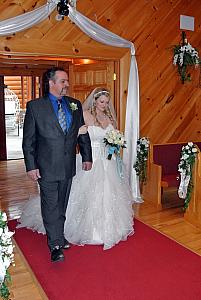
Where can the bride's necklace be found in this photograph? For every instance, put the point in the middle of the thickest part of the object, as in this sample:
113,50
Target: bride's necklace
101,117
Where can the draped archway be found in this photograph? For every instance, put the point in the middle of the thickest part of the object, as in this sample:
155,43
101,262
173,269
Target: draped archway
102,35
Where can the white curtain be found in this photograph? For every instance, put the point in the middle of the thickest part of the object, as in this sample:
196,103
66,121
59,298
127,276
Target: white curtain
27,20
132,126
104,36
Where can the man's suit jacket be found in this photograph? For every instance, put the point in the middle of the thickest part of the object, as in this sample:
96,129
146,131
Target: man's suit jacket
46,147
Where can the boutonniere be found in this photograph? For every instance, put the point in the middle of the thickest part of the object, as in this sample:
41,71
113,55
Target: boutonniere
73,106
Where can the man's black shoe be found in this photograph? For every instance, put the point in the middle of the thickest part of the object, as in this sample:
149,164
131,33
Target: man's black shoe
57,254
66,245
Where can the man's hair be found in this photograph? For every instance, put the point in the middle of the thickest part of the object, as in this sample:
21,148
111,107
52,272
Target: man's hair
49,75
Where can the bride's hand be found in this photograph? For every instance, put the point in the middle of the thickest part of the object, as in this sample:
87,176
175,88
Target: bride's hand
83,129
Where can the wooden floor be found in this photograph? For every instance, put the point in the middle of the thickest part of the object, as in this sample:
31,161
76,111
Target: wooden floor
15,189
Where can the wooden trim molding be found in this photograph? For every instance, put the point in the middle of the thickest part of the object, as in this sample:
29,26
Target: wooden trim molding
63,49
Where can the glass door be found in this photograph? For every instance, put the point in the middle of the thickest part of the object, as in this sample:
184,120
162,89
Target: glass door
19,90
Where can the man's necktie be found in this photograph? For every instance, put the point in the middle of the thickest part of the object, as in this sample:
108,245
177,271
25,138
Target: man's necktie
62,117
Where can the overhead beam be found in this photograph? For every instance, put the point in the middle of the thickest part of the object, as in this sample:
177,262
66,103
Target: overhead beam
24,47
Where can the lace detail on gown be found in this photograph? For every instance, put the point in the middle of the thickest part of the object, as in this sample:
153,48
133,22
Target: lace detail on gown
102,214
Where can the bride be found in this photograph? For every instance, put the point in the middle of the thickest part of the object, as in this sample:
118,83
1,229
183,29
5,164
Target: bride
99,210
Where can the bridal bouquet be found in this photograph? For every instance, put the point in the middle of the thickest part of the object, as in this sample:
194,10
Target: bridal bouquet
114,140
6,256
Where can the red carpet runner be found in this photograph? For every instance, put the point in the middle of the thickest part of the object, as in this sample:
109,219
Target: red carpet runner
148,266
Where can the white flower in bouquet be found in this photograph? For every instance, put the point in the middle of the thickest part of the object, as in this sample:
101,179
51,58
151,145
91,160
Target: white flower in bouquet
4,217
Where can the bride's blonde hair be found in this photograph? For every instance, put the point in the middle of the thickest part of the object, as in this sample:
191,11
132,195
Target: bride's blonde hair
98,92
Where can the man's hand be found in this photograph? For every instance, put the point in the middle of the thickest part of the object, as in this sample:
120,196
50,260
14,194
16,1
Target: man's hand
34,174
83,129
87,165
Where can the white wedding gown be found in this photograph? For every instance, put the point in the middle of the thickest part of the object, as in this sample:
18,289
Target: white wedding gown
100,204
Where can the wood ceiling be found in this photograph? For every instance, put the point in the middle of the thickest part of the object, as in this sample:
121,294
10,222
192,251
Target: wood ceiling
170,110
62,38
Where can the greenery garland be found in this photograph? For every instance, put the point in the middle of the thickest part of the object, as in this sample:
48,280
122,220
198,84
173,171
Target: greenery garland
185,55
140,165
185,167
6,256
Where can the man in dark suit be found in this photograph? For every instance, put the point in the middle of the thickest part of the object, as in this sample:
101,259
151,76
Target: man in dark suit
50,137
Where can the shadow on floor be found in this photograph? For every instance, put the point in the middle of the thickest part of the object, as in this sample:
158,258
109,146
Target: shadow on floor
170,198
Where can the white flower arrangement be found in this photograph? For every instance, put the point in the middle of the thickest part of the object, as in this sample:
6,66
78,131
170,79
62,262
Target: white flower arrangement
6,256
73,106
187,160
114,140
140,165
182,50
185,55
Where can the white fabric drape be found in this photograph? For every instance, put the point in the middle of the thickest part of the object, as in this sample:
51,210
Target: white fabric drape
26,20
104,36
97,32
132,129
184,182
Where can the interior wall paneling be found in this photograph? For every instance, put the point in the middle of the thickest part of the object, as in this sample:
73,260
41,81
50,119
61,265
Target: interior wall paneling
124,71
87,77
169,110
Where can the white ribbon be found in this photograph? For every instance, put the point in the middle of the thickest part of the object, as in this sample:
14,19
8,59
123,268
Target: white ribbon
183,187
27,20
2,269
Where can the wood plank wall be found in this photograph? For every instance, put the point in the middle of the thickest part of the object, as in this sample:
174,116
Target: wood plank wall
169,110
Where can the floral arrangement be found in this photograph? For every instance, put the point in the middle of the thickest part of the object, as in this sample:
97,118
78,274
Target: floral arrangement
73,106
114,140
6,256
70,2
185,55
141,160
187,160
